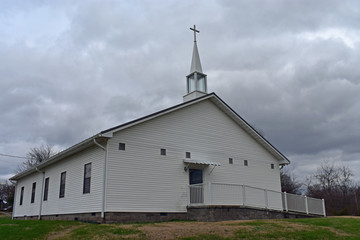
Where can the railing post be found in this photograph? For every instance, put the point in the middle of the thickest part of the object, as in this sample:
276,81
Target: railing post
243,193
323,205
285,202
306,205
266,199
189,194
209,193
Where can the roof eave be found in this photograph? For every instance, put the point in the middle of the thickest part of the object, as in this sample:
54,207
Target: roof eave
61,155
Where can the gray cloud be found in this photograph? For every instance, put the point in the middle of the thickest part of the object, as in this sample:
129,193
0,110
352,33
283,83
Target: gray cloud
70,70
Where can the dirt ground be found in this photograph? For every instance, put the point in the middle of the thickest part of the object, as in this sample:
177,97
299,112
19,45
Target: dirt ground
176,230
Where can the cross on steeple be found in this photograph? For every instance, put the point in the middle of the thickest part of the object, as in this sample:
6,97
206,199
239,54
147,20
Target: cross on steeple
195,31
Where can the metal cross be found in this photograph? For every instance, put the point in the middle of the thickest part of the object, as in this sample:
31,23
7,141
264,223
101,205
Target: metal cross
195,31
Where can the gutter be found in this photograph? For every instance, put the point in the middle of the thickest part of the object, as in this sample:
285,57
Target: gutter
104,177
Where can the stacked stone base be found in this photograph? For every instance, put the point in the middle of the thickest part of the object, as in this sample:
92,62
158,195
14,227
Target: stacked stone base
196,213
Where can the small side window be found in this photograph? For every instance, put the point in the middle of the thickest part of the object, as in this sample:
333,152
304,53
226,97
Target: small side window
246,163
62,185
272,166
122,146
231,161
21,195
46,189
163,151
33,192
188,155
87,178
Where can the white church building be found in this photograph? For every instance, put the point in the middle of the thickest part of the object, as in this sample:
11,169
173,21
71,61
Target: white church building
196,160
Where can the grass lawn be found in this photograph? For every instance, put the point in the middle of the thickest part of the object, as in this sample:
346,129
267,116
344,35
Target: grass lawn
315,228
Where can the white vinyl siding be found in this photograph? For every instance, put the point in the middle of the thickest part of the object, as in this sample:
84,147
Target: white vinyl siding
74,200
27,208
140,180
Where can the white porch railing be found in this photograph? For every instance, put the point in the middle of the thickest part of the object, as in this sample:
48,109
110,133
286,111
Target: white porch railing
233,194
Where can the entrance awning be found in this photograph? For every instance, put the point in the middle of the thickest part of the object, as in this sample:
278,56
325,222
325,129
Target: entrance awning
191,161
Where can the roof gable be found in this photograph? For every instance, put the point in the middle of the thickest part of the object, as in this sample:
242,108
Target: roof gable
224,108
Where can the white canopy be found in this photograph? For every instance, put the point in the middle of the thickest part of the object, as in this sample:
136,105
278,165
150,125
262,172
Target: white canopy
203,162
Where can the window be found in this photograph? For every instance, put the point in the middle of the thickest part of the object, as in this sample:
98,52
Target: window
272,166
163,151
46,189
21,195
33,192
122,146
191,84
230,161
188,155
87,178
62,185
201,82
245,162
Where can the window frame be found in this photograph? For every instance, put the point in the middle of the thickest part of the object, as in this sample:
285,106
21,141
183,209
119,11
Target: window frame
122,146
46,189
22,195
163,151
187,154
33,191
62,185
87,179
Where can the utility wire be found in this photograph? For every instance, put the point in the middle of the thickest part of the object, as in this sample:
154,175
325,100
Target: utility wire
6,155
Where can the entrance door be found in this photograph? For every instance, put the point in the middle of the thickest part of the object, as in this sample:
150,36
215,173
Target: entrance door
196,176
196,186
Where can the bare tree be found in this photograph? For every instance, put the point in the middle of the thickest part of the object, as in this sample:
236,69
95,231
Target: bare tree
335,185
36,156
7,190
289,183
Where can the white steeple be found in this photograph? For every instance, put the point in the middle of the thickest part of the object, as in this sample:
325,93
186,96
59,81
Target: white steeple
196,81
195,62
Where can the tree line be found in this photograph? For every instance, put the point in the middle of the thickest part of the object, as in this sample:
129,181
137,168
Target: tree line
331,182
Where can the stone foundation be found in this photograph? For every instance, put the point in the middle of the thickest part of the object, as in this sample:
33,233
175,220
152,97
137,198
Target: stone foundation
197,213
223,213
113,217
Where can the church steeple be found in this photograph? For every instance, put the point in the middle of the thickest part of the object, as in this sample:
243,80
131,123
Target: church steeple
196,82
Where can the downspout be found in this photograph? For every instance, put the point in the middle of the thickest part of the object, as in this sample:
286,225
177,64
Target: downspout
42,192
104,178
14,202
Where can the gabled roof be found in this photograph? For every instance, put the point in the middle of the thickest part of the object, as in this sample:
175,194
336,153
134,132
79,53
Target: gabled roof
109,132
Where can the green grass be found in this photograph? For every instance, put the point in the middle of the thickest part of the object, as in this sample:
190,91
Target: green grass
313,228
103,231
21,229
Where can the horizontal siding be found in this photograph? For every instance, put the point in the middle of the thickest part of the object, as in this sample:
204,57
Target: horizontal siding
74,201
28,208
139,179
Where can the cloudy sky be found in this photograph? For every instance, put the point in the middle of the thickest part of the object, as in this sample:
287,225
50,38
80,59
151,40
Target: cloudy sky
69,69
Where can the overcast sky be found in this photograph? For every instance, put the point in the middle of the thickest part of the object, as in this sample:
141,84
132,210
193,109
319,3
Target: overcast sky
69,69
